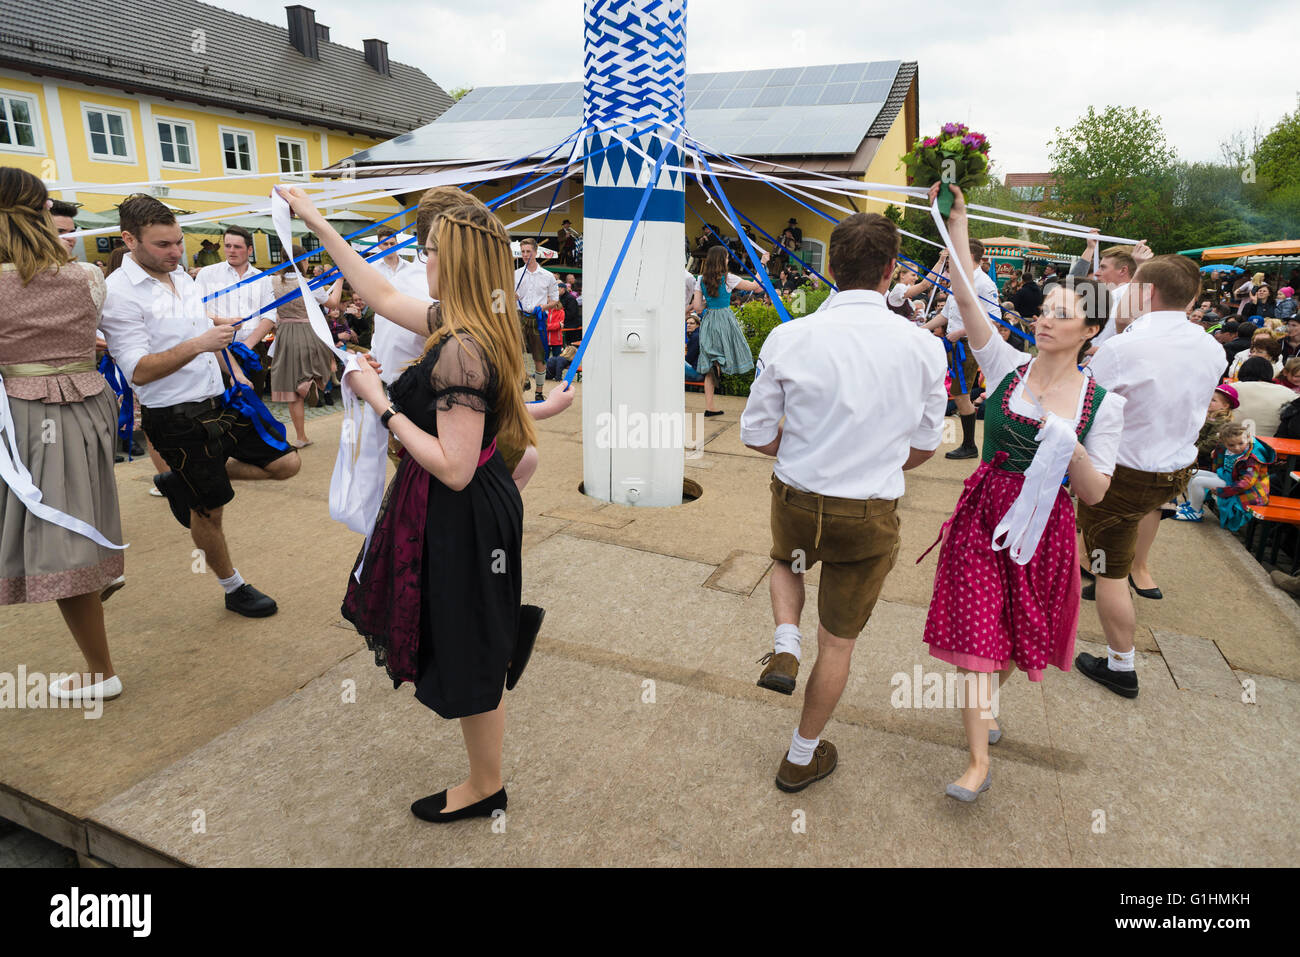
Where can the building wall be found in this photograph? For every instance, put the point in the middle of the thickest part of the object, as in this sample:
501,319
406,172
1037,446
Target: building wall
64,156
885,166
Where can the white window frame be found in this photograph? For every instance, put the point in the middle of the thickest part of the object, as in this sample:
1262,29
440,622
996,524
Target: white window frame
537,201
813,252
33,110
192,166
306,161
252,147
128,129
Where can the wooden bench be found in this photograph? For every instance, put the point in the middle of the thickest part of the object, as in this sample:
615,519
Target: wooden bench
1279,513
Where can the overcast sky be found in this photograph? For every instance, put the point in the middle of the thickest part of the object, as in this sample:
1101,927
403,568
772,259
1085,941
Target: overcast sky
1013,71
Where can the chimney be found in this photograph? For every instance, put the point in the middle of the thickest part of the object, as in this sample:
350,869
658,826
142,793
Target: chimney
303,30
377,56
322,32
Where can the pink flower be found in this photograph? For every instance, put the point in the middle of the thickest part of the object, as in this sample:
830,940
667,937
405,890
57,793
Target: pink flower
930,141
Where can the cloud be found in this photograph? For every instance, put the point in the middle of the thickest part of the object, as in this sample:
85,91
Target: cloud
1014,71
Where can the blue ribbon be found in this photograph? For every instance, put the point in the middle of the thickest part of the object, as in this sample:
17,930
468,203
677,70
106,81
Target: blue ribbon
248,359
760,273
126,410
618,262
242,399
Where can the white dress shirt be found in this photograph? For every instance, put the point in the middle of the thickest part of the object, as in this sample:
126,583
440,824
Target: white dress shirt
985,288
1167,369
142,317
533,288
692,287
999,357
238,303
396,346
858,390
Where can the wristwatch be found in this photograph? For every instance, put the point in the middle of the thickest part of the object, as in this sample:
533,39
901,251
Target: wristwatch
392,411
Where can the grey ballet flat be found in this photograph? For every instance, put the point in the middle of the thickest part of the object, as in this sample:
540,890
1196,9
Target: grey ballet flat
995,734
963,794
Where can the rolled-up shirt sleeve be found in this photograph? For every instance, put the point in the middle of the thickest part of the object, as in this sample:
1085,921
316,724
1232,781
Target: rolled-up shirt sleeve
553,288
929,432
766,405
123,325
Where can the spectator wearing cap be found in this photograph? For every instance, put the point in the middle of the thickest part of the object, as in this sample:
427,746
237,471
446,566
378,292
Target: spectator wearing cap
1222,405
1261,399
1285,306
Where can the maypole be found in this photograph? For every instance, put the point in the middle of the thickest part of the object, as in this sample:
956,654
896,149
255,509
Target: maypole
633,405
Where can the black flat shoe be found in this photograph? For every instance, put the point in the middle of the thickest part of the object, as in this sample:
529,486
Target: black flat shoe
251,603
718,412
1087,575
963,452
1089,592
430,808
173,487
530,623
1123,683
1153,593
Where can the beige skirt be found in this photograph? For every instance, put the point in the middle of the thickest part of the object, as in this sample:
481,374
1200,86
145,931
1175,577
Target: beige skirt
68,449
299,357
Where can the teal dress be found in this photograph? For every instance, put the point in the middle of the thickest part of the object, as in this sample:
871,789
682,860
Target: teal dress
721,340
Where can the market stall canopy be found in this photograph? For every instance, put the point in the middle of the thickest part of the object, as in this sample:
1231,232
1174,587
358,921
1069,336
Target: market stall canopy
1008,241
1282,247
1196,253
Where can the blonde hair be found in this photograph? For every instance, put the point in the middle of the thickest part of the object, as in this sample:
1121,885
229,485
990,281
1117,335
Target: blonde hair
475,276
434,202
28,238
1230,431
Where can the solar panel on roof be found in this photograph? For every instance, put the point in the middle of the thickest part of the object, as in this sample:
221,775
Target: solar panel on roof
787,76
837,93
772,96
847,73
725,81
803,96
754,79
710,100
882,69
816,75
739,99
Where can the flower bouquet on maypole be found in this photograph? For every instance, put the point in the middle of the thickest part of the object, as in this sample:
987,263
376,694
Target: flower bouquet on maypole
956,156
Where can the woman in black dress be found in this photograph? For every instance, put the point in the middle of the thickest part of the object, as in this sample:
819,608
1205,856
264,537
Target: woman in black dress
438,599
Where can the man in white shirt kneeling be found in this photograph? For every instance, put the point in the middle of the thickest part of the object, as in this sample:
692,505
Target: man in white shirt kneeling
166,345
862,397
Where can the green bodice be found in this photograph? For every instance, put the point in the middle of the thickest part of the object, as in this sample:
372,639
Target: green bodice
1005,431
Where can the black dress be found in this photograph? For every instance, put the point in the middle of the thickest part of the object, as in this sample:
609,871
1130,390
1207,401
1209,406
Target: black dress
466,573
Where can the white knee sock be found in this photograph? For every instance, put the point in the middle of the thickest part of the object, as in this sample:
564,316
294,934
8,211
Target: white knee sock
232,583
801,749
788,640
1119,660
540,379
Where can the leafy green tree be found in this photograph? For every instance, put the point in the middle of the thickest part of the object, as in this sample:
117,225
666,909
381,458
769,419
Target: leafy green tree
1277,168
1114,170
457,93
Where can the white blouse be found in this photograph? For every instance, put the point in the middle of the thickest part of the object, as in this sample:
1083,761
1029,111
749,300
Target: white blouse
998,358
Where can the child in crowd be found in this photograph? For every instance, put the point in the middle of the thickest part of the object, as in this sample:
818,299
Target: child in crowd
1290,375
1240,478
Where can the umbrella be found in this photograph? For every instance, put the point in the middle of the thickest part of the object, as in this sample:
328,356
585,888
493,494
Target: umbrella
542,251
1283,247
1232,269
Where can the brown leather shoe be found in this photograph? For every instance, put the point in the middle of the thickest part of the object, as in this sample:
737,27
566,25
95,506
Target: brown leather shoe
780,672
793,777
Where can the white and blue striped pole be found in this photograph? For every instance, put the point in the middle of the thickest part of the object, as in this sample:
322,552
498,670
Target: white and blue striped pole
633,405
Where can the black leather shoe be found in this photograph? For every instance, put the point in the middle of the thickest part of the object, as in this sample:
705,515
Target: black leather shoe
178,497
1153,593
1089,592
709,413
430,808
251,603
1087,575
1123,683
963,452
530,623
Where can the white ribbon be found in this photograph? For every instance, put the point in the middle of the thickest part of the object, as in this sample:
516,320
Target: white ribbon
15,475
1027,518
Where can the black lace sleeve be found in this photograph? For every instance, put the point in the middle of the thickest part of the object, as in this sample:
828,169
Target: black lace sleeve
462,376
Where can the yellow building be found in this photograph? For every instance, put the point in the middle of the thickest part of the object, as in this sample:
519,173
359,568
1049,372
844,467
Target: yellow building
101,97
853,120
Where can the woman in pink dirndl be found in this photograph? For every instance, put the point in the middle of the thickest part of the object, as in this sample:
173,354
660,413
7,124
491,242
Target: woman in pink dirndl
1006,590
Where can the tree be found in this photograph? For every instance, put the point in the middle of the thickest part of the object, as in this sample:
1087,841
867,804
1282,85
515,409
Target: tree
457,93
1114,170
1277,167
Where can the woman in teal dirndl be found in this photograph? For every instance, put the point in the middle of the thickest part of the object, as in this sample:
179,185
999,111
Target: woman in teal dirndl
723,347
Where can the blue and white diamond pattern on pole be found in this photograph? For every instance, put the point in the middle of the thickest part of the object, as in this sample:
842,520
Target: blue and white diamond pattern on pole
632,396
